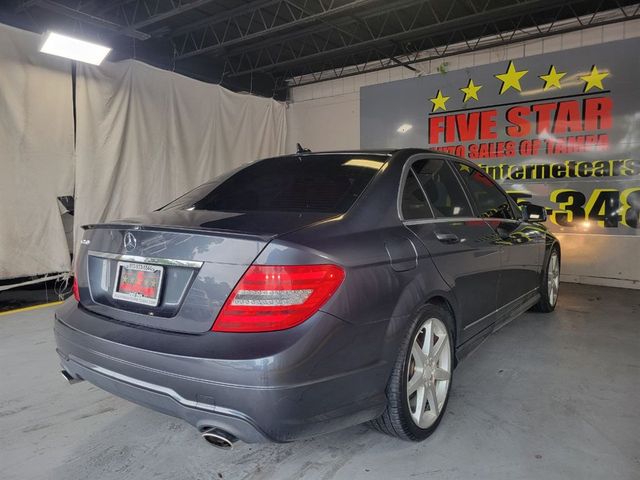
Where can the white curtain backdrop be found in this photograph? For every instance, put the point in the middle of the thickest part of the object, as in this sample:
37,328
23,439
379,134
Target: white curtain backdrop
146,136
36,155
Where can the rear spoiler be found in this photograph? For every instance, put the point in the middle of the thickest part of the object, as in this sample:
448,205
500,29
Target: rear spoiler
176,229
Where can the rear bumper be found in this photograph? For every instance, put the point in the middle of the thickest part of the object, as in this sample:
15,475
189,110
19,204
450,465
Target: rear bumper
164,400
293,392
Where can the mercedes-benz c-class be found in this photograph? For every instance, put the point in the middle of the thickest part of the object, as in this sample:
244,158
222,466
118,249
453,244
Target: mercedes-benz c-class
306,293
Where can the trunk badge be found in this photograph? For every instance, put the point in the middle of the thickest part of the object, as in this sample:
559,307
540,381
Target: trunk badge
129,242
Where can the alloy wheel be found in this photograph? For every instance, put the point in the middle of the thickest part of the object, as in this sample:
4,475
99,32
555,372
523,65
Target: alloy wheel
553,278
429,372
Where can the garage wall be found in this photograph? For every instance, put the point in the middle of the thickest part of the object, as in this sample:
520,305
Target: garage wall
36,156
326,116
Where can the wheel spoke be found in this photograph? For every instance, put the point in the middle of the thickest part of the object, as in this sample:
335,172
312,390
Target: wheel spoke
414,383
441,374
437,348
421,402
428,338
418,357
432,397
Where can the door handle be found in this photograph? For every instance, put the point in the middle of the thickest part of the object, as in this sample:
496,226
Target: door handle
447,237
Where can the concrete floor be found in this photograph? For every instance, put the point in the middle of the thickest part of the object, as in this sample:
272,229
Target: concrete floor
548,396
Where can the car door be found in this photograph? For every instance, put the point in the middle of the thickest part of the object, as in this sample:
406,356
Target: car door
522,243
435,207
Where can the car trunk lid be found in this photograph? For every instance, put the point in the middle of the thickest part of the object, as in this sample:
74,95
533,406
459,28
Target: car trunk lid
201,257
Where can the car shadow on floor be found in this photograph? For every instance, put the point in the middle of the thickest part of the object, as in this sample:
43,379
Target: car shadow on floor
146,444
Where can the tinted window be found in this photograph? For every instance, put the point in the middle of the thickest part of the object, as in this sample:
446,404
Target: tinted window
443,189
313,183
491,202
414,205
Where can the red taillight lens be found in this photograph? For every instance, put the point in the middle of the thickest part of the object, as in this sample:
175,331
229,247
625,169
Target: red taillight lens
76,290
270,297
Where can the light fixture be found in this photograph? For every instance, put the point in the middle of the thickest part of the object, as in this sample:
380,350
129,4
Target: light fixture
404,128
74,48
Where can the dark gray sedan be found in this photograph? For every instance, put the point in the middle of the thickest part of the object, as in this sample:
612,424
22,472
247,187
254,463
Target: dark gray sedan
306,293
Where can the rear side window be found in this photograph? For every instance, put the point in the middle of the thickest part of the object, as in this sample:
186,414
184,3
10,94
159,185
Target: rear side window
491,202
307,183
414,204
444,192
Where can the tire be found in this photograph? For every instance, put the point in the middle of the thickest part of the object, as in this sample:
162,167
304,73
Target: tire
549,283
402,417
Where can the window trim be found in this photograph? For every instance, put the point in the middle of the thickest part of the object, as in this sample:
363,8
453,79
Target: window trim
407,169
424,194
418,221
411,171
408,166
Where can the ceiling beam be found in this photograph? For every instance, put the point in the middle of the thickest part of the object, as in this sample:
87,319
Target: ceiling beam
217,44
443,27
178,9
223,17
354,65
132,30
324,26
110,6
90,19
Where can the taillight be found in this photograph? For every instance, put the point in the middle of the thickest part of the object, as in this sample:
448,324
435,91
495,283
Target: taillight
270,297
76,290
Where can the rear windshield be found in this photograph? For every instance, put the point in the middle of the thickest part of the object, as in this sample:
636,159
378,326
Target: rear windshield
313,183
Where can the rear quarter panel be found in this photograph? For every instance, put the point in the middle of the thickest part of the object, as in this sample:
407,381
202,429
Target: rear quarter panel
374,293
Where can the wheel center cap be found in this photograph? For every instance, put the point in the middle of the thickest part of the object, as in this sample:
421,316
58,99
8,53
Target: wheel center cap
428,372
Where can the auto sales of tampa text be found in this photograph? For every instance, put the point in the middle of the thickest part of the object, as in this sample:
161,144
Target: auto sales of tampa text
558,131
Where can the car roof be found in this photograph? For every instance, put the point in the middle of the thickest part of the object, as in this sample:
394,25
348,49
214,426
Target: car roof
400,152
381,151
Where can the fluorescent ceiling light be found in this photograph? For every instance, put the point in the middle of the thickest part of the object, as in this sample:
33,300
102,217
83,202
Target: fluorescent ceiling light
73,48
404,128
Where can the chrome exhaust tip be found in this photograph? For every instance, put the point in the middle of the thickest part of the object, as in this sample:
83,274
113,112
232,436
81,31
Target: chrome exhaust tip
70,378
219,439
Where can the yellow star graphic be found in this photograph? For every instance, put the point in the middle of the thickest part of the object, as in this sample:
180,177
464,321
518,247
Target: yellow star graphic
470,91
439,102
594,79
552,79
511,79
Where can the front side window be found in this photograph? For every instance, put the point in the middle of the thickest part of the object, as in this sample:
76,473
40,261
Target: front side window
491,202
444,192
307,183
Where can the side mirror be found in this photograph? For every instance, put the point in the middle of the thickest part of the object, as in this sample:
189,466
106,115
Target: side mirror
533,213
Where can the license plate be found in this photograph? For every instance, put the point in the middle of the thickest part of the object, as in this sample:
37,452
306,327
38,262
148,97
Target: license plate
138,283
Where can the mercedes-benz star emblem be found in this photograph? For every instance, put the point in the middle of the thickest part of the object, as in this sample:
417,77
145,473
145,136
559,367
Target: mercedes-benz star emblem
129,241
